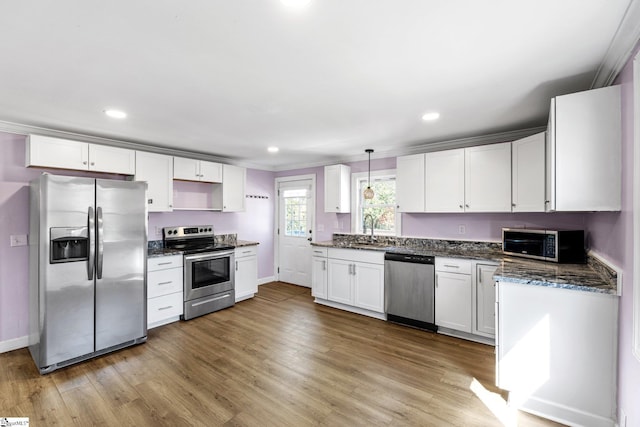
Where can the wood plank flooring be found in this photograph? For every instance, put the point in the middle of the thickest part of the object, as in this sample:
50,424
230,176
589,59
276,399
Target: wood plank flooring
275,360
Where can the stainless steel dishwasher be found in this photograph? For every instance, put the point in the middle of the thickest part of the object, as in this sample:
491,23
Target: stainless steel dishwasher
409,284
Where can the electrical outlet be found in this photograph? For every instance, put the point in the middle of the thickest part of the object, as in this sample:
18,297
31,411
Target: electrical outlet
158,231
18,240
462,229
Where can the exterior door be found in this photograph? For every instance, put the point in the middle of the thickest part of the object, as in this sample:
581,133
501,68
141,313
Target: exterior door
296,205
120,283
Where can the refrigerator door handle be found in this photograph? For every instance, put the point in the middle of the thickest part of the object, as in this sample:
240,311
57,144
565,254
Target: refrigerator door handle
99,254
92,239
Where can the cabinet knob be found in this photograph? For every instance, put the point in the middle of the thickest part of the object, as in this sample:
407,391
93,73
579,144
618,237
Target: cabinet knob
461,206
466,205
398,207
93,163
547,201
84,163
513,205
150,201
337,208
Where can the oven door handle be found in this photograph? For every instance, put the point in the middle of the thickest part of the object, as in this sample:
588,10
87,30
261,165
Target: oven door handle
206,256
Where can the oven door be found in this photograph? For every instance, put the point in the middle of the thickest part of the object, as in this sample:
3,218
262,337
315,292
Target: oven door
208,274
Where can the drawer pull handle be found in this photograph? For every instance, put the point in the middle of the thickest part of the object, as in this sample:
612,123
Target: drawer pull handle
165,283
165,263
211,300
165,308
451,266
246,252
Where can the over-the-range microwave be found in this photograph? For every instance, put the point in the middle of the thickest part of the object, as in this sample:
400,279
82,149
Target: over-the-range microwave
562,246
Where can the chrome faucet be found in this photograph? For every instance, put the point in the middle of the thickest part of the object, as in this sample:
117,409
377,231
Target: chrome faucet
364,225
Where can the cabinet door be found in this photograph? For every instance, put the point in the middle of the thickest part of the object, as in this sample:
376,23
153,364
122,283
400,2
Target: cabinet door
57,153
186,169
157,171
339,281
484,323
487,178
369,286
337,189
410,183
528,174
233,188
103,158
444,181
246,277
588,150
319,277
210,171
453,301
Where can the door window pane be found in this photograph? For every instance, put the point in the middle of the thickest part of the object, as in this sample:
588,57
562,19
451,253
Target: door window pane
295,204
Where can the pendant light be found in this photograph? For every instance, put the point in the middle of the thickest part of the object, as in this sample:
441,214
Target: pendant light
368,192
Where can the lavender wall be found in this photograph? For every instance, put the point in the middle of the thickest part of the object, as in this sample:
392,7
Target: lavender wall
612,237
256,224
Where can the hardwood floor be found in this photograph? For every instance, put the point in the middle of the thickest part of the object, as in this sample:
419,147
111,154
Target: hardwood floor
275,360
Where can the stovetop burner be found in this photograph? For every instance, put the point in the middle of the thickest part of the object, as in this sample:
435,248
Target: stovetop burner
192,239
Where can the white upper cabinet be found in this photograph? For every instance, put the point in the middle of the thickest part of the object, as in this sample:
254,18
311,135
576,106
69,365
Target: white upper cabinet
410,183
444,181
528,174
488,178
337,185
157,171
196,170
233,188
584,166
45,151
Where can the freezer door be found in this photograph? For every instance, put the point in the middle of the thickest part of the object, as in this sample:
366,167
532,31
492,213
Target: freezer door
121,249
66,290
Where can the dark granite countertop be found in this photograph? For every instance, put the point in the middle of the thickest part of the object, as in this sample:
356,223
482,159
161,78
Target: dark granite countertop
243,243
580,277
158,252
591,277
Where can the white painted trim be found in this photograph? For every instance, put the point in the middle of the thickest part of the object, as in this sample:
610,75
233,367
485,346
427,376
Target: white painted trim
636,208
14,344
621,47
354,212
276,219
265,280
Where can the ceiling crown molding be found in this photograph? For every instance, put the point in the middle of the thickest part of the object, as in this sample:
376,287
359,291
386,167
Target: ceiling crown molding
622,45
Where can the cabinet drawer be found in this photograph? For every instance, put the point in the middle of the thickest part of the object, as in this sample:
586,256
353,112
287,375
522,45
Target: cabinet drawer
163,262
163,282
453,265
321,252
246,251
164,307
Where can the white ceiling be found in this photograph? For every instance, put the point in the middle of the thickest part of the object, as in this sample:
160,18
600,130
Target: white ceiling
230,78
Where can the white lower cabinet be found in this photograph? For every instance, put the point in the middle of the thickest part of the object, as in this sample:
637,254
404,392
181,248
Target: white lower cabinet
453,301
319,269
465,298
164,290
484,299
246,274
355,280
556,352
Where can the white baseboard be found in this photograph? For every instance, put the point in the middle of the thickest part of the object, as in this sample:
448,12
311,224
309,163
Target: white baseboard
565,414
14,344
264,280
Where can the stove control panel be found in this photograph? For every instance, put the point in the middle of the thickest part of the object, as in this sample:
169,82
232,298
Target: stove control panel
187,232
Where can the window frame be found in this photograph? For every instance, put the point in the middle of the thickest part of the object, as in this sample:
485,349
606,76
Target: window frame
356,197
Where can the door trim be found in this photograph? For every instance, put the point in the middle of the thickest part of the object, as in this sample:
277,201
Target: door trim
276,219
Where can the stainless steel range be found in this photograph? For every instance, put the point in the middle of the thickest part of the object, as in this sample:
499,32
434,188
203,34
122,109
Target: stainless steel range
209,276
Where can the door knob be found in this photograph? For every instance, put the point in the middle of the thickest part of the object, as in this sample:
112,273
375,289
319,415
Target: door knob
309,239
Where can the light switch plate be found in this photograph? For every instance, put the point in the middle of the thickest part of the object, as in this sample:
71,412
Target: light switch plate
462,229
18,240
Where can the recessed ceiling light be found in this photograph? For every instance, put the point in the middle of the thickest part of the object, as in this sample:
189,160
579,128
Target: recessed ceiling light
273,149
295,4
427,117
116,114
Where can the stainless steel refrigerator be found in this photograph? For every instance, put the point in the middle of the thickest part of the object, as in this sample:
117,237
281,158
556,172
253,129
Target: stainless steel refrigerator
87,268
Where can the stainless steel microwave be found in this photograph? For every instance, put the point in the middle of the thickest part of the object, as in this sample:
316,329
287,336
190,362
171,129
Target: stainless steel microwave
562,246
